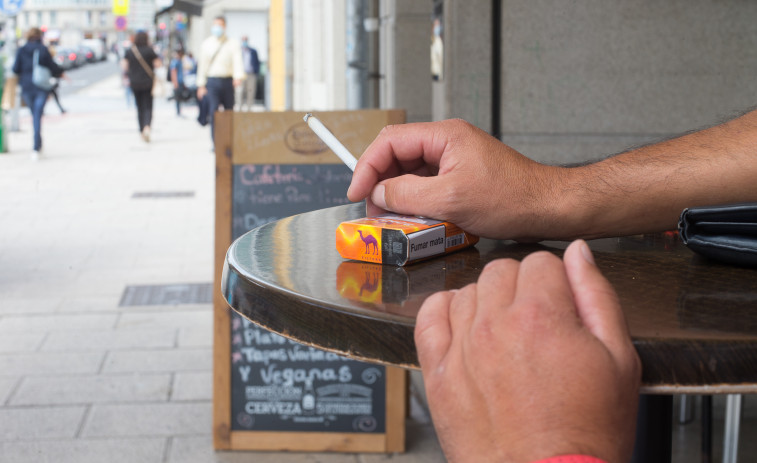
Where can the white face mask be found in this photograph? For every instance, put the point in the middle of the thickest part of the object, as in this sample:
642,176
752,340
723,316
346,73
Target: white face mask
217,30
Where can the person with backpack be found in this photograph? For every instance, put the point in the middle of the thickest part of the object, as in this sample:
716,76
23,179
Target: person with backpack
34,67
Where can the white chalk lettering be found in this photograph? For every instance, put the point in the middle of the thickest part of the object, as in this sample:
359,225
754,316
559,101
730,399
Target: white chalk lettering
310,354
273,408
293,195
268,175
261,338
263,356
292,376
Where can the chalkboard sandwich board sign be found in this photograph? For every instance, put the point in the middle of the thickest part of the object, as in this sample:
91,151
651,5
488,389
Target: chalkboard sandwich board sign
270,393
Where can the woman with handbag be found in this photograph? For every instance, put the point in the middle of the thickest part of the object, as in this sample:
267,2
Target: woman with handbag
139,63
34,67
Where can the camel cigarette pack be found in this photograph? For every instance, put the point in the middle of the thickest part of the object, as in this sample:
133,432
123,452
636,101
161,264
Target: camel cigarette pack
398,239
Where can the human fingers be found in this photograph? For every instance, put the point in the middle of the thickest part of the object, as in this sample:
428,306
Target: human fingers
433,334
399,149
596,301
495,289
543,289
461,312
416,195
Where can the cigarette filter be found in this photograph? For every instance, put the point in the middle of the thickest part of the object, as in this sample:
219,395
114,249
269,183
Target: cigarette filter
399,240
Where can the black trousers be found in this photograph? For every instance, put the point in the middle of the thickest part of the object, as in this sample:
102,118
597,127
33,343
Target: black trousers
143,99
220,92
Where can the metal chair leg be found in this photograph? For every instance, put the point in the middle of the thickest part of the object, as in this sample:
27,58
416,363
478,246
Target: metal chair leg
686,410
731,435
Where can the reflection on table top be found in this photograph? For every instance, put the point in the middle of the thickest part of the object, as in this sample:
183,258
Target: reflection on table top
694,322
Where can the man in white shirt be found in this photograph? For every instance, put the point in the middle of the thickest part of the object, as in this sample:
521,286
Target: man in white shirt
219,70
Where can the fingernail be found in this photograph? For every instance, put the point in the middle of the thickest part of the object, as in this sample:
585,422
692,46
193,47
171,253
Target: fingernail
586,252
377,196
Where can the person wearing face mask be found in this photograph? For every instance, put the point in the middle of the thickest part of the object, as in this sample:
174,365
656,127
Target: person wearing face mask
219,70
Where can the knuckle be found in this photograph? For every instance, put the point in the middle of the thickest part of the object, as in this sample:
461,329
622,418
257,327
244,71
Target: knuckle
541,258
500,266
388,131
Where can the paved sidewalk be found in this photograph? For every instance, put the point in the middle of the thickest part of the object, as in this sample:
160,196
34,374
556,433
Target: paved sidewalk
81,378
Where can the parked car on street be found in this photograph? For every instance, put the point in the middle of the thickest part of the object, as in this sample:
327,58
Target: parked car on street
65,58
98,48
89,55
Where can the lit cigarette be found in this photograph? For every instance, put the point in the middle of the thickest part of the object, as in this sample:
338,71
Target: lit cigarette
331,141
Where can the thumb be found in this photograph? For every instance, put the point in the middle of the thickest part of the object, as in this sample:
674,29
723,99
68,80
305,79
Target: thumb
410,195
596,300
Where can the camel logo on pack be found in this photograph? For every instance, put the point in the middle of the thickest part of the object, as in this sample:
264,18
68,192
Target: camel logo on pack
369,241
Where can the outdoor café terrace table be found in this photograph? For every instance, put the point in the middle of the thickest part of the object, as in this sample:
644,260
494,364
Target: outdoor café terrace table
693,321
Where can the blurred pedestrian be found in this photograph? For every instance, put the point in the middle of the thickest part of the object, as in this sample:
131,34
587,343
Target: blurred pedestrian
31,54
54,93
127,88
219,71
140,61
176,73
54,89
252,69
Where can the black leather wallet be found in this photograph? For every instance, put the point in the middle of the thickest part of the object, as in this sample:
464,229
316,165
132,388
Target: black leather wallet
724,233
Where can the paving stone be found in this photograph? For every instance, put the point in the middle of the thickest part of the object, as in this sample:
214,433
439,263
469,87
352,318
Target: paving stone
157,419
57,322
170,317
88,389
6,386
27,305
85,451
49,363
89,304
192,386
159,360
109,340
20,342
196,336
199,449
30,423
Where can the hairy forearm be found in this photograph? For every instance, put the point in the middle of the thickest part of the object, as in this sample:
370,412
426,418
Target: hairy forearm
645,190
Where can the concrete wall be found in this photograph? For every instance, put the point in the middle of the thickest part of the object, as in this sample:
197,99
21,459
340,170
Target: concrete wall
467,85
405,63
584,79
319,65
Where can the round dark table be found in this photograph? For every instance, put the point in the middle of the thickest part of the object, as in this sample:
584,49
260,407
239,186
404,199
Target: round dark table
693,321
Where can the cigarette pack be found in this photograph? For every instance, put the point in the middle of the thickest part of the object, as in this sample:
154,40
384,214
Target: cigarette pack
399,240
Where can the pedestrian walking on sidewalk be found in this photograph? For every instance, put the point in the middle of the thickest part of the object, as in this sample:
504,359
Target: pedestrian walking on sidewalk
32,54
219,71
139,63
176,73
246,91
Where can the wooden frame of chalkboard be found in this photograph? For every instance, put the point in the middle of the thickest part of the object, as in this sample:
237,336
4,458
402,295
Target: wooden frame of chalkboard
281,139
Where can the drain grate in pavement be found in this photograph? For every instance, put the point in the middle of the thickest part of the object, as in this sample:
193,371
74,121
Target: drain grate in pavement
162,194
186,293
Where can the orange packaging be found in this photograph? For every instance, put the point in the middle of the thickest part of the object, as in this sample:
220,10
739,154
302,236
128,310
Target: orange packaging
398,239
